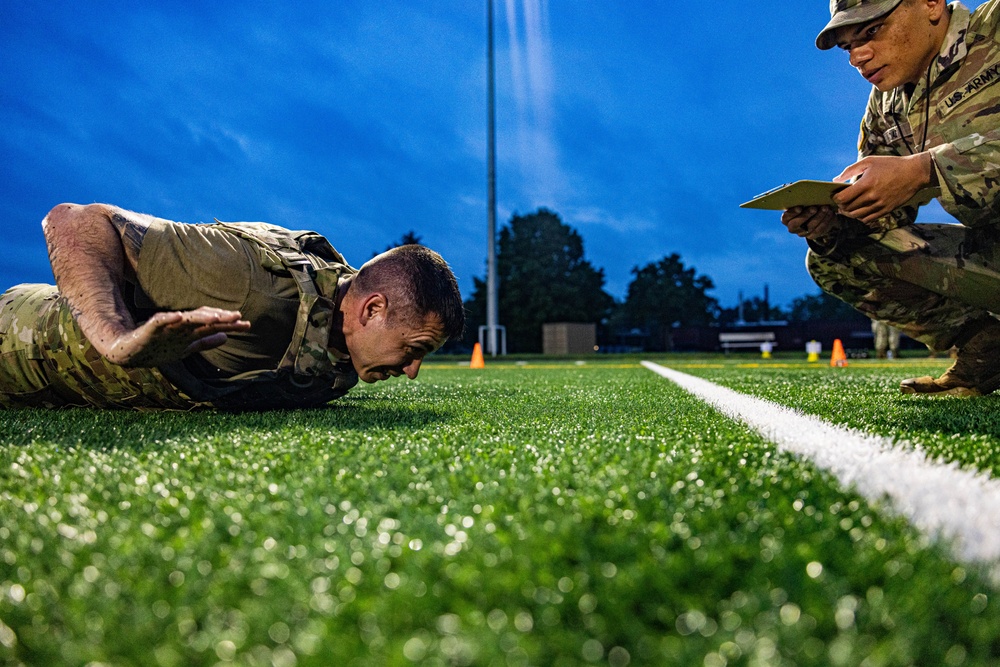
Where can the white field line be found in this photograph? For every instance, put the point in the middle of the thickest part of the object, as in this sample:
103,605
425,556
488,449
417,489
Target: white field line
939,498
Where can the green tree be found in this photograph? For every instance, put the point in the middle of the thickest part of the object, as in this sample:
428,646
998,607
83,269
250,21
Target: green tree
665,294
822,306
542,277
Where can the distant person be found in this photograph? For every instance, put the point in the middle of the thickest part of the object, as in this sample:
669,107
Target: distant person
149,313
933,120
886,340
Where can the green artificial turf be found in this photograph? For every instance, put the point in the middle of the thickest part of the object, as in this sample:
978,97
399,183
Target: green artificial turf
538,515
865,395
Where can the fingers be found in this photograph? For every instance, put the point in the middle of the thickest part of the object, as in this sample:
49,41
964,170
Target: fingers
861,203
204,319
207,314
181,333
868,214
796,220
852,172
859,198
810,222
823,224
211,327
170,336
206,343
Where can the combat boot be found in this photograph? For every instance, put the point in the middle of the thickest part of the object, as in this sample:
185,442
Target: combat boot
976,370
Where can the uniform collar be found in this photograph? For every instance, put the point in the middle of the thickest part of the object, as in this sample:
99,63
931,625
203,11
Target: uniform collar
336,355
955,46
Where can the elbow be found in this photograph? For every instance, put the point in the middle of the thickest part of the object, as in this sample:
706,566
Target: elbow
71,219
59,217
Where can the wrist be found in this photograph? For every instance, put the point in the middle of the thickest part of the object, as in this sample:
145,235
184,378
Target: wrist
111,338
926,175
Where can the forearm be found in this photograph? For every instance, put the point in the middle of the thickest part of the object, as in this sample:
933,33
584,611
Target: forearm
88,262
968,171
91,266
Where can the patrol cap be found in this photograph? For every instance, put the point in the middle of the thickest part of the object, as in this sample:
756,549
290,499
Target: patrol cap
852,12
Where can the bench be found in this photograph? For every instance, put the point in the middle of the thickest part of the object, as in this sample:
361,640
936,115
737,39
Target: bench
754,340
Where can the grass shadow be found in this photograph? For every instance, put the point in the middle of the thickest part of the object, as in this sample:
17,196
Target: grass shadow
125,429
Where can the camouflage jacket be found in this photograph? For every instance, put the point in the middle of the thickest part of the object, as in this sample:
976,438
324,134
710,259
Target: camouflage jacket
956,119
310,373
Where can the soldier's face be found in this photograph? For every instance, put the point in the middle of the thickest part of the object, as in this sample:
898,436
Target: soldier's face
895,49
384,348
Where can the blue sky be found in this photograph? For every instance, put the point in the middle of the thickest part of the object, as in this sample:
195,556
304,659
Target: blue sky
643,124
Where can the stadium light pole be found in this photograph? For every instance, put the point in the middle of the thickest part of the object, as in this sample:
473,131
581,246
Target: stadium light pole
491,178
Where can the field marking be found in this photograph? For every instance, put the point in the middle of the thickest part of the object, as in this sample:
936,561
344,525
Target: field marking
503,364
939,498
531,366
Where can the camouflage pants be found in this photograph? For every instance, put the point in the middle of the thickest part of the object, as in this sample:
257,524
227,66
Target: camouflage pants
927,280
886,337
46,361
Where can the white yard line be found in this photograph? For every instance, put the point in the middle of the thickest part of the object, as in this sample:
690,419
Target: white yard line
940,498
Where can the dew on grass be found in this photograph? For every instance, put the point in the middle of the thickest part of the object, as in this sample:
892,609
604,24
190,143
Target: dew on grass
619,656
496,619
160,609
592,650
790,613
690,622
415,649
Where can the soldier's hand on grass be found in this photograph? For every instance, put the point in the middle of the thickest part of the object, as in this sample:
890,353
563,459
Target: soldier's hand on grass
811,222
170,336
881,184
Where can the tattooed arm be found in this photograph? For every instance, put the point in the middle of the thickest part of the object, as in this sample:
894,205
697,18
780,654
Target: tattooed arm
90,267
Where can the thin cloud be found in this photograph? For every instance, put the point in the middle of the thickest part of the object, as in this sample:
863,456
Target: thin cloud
595,216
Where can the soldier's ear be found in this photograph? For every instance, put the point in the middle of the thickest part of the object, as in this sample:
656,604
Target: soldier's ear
373,308
936,9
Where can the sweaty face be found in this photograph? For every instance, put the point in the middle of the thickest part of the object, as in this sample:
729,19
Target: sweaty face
382,350
895,49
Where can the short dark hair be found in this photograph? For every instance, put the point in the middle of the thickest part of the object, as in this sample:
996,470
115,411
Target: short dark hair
419,281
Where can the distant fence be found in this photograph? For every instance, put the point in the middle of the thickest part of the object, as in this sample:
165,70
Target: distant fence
787,336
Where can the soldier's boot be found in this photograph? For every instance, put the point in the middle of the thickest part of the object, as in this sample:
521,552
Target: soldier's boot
976,370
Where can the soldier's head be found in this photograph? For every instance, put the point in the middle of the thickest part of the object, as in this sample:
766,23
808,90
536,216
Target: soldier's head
890,42
401,306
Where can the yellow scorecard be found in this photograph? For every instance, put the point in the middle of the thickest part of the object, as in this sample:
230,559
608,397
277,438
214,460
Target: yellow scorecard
816,193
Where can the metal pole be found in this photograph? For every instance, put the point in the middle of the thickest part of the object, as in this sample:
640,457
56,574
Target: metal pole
491,159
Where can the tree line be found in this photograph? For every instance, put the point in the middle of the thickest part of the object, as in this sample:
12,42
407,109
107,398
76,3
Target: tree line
543,276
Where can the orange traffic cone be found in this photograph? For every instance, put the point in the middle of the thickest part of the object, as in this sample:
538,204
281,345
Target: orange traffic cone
838,358
477,357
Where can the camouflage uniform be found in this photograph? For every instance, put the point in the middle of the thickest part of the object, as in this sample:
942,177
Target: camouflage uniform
285,281
886,340
930,280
